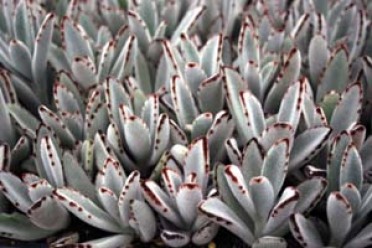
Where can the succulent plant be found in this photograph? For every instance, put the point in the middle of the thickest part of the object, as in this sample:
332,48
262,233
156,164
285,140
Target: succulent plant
33,196
159,121
116,206
347,206
249,203
185,180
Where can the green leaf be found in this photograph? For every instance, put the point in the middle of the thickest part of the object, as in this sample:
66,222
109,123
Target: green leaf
183,102
211,55
15,190
186,23
311,192
262,194
275,164
339,214
282,211
307,144
18,226
288,75
84,71
144,220
188,197
210,94
21,58
336,75
23,23
347,111
218,212
147,10
234,85
137,138
139,28
351,168
24,119
75,40
305,232
76,177
41,210
252,160
239,188
7,132
110,241
51,162
318,57
86,210
292,104
41,50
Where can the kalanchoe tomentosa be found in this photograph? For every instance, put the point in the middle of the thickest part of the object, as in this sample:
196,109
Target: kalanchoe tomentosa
186,115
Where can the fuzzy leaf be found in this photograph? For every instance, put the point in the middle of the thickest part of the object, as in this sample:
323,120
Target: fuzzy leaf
41,211
51,162
311,192
129,192
139,28
197,162
110,241
262,194
288,75
7,132
174,238
194,76
84,71
307,145
39,189
275,164
188,197
336,74
318,56
21,57
24,119
292,104
161,138
334,162
238,187
362,239
183,102
305,232
275,132
351,168
253,113
18,226
201,125
347,110
186,23
14,189
233,85
205,234
339,214
282,210
352,195
76,177
218,212
137,138
210,94
83,208
211,55
144,219
252,160
75,40
160,202
40,55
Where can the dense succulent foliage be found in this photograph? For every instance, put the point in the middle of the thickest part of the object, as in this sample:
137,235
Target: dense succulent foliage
170,122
